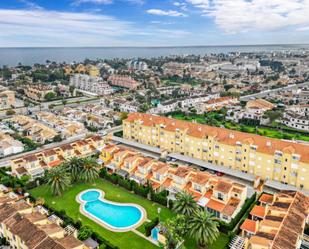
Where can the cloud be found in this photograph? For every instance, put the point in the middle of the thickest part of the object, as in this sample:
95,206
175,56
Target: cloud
235,16
55,28
30,4
79,2
160,12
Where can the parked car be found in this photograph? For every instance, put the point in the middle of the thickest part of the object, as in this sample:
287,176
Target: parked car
220,174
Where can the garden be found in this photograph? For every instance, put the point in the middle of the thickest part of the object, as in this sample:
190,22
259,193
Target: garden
59,196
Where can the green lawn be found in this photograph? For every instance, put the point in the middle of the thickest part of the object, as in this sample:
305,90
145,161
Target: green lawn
125,240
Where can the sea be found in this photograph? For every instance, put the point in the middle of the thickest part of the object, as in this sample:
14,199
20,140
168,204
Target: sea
30,56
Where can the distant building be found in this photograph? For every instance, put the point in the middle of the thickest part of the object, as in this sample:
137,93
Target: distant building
137,65
38,91
7,99
92,84
9,145
123,81
297,117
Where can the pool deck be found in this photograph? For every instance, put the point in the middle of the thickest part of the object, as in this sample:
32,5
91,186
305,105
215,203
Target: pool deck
104,224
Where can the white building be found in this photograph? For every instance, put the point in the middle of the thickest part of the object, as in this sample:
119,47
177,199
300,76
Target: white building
297,117
91,84
137,65
9,145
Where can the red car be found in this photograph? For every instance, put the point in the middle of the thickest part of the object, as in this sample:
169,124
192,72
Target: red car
220,174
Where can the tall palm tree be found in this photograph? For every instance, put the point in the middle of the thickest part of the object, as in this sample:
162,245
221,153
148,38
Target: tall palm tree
90,170
203,227
184,204
74,167
58,180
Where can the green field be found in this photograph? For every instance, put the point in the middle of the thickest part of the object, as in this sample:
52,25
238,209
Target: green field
125,240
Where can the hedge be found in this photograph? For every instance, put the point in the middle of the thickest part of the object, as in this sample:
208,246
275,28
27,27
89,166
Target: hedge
226,227
159,198
149,226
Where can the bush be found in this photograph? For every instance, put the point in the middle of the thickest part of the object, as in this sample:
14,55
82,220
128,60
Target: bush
125,183
149,226
140,190
159,198
103,242
84,233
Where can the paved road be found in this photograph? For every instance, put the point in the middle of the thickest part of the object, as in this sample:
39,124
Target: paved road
265,93
6,161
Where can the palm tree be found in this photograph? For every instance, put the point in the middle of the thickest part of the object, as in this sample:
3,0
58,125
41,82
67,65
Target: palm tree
58,180
90,170
74,167
185,204
203,227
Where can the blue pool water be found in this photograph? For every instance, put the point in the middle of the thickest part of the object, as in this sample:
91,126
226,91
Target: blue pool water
117,216
154,233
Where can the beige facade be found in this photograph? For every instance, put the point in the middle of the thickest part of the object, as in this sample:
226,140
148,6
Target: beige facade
283,161
7,99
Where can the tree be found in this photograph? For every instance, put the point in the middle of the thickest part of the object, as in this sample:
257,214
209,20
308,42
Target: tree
175,230
10,112
74,168
58,180
185,204
89,171
203,227
49,96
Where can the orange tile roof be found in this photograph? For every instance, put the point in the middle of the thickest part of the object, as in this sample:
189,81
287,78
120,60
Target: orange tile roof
258,211
54,163
266,198
167,182
215,205
249,226
223,186
264,144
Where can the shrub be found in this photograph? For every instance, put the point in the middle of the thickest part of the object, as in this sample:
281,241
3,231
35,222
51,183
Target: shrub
140,190
149,226
159,198
125,183
84,233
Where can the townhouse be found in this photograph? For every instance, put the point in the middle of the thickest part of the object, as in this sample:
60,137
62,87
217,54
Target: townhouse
32,129
219,196
36,164
25,228
270,159
216,104
38,91
277,222
67,128
8,145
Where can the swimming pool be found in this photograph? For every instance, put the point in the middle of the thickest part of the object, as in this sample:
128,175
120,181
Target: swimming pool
112,215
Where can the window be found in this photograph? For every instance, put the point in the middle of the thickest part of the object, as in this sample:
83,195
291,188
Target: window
220,196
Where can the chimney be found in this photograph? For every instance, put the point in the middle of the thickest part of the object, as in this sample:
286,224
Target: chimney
232,135
268,143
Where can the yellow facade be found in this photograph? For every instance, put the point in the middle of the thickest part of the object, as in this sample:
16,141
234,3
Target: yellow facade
284,164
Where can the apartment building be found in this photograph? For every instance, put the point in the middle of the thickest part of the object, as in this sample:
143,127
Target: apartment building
89,83
268,158
25,228
218,195
35,164
137,65
277,222
32,129
123,81
37,91
7,99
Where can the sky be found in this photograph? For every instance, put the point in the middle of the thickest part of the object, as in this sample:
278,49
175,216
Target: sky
74,23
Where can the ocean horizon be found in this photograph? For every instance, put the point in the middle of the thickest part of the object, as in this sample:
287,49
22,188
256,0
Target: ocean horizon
12,56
